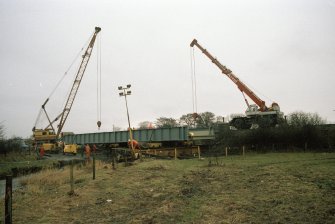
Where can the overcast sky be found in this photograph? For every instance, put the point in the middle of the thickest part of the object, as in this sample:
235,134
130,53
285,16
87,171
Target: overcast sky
283,50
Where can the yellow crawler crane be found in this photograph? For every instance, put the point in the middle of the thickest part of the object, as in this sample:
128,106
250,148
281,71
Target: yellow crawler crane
48,137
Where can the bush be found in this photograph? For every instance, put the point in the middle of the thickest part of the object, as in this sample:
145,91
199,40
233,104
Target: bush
314,137
14,144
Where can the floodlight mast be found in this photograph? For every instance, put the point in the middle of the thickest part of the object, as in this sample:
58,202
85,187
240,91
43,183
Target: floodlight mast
125,92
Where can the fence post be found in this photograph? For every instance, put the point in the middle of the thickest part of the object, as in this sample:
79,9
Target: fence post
94,166
175,153
8,200
113,159
125,158
226,150
243,148
199,153
140,154
71,178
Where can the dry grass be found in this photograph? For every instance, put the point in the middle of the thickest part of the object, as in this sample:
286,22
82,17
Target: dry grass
18,164
268,188
45,180
17,156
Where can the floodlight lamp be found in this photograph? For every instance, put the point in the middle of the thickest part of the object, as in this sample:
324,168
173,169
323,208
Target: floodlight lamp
121,94
128,86
120,88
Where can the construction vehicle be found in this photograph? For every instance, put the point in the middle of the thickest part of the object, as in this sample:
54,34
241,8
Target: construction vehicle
258,114
71,149
49,137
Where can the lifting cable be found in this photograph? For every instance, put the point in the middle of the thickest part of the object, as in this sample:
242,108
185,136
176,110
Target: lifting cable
257,91
194,82
75,59
38,118
99,81
80,53
61,80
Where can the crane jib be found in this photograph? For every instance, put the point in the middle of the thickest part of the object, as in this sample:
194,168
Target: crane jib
77,81
241,86
232,77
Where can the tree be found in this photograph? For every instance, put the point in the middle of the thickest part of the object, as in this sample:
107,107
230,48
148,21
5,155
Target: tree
116,128
205,119
188,120
301,119
201,120
145,125
220,119
165,122
2,132
2,139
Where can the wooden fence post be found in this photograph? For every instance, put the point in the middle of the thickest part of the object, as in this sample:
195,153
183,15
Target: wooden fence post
226,149
199,156
175,153
125,158
8,200
71,178
140,154
93,166
243,148
113,159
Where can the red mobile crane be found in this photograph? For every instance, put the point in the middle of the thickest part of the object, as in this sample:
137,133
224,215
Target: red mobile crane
257,114
48,137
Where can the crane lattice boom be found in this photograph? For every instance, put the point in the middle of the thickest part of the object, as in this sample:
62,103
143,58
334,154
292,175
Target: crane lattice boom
77,81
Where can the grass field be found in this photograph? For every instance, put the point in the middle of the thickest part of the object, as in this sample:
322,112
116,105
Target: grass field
18,164
259,188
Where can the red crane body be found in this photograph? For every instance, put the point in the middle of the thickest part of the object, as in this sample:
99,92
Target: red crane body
242,87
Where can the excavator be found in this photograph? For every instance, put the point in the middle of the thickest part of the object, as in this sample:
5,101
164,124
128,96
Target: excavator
258,114
49,137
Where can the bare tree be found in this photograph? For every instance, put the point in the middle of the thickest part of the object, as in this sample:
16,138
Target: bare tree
2,131
205,119
2,140
219,119
188,120
300,119
145,125
165,122
116,128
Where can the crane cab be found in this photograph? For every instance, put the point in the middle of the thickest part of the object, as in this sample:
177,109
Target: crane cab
44,135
